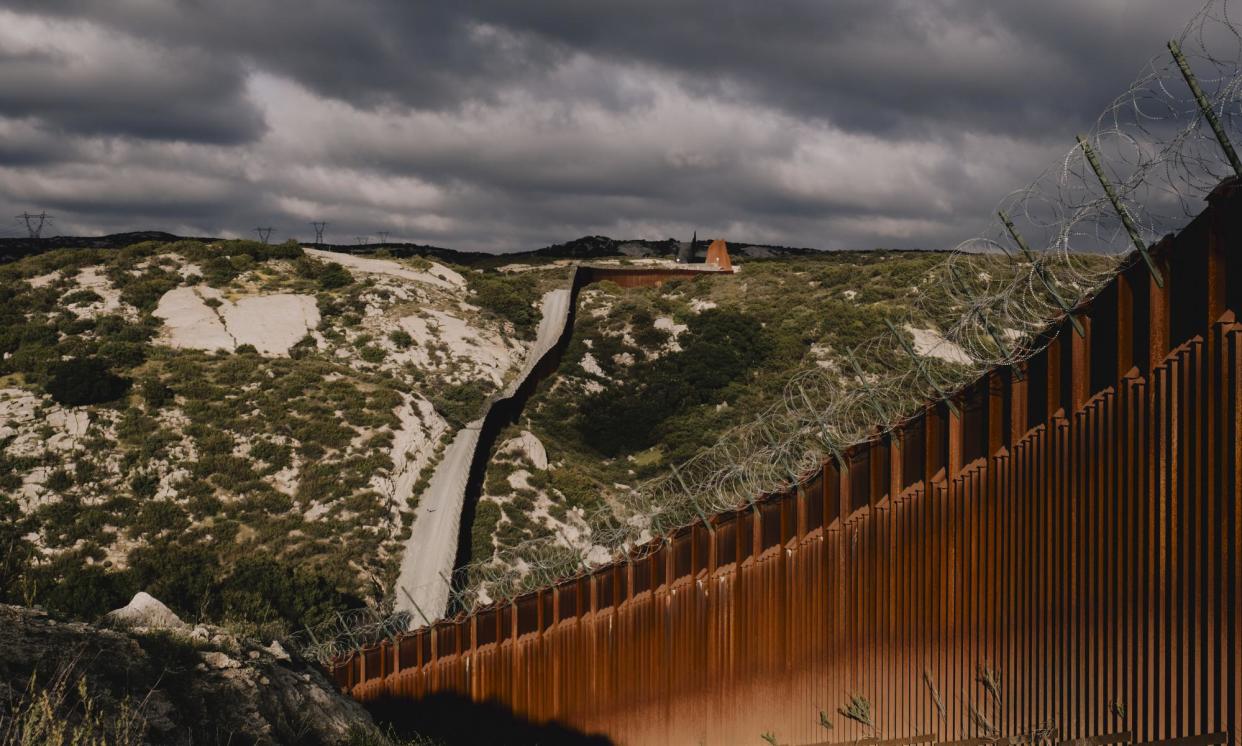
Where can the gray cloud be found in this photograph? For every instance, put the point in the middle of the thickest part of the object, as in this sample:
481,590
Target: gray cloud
504,125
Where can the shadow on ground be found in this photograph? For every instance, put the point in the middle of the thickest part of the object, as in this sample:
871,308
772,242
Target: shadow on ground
456,721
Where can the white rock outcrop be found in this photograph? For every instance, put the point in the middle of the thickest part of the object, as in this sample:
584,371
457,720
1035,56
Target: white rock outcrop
929,343
146,611
271,323
529,445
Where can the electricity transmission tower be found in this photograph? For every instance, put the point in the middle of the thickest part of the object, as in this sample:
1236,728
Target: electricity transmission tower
319,232
264,233
35,223
383,237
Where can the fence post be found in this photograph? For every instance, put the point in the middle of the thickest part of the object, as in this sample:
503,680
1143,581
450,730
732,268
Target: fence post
1041,273
1158,317
1125,326
1080,368
1205,107
1122,213
953,423
896,464
995,414
1018,415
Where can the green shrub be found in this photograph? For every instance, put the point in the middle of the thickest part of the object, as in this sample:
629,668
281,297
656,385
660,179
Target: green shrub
80,381
155,393
144,484
461,402
334,276
58,481
81,297
486,516
719,347
79,590
219,271
401,338
262,590
511,297
123,354
144,293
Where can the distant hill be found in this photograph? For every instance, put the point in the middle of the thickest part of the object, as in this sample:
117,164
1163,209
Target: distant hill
586,247
591,247
12,249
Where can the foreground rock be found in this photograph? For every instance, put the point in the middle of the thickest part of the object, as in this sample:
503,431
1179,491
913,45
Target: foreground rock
165,684
145,611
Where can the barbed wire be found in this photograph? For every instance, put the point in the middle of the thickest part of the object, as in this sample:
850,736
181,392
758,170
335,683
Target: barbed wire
1139,174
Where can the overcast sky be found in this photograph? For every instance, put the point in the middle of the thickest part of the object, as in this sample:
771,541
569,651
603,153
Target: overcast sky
511,124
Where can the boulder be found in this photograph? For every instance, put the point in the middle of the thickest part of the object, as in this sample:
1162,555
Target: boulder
145,611
174,689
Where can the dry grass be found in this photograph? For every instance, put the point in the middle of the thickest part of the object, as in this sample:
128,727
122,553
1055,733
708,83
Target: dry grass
824,722
990,681
982,722
935,693
64,713
858,709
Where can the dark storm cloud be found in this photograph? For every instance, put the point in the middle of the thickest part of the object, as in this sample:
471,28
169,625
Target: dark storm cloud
89,82
509,125
859,63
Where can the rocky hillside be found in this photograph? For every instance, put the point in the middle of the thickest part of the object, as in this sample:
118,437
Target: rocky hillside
146,677
241,429
654,375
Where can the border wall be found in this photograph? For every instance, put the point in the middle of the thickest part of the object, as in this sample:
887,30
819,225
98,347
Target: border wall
1057,560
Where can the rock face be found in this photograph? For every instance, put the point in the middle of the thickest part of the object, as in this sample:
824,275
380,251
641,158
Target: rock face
202,318
205,687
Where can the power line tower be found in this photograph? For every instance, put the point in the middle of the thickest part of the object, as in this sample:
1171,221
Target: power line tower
264,234
319,232
383,237
35,223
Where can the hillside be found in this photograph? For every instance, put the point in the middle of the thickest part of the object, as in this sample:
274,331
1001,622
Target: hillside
654,375
245,430
240,429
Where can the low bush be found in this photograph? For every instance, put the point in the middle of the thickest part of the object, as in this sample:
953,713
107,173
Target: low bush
80,381
486,516
511,297
401,338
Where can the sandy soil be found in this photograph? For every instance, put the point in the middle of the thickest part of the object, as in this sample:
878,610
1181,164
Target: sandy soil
91,278
438,274
487,352
413,446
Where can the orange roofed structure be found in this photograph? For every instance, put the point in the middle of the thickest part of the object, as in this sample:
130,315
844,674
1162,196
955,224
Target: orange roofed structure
718,256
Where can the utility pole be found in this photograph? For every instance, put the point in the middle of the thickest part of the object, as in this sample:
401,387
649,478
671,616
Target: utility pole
264,234
35,223
383,237
319,232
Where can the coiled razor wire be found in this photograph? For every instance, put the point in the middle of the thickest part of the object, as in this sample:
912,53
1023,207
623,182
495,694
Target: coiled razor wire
1142,171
